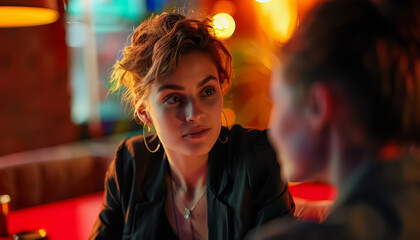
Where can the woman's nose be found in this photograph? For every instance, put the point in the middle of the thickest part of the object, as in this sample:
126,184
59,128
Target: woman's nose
193,111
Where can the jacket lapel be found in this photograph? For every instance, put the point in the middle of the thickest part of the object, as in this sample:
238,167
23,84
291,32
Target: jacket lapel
151,198
217,186
217,218
149,209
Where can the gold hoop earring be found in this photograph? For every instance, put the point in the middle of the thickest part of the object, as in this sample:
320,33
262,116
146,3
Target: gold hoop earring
227,126
145,140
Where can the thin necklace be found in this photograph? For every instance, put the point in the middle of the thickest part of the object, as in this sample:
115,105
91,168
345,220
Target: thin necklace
188,211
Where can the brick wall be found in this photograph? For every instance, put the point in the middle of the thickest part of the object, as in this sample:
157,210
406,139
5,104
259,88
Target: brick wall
34,88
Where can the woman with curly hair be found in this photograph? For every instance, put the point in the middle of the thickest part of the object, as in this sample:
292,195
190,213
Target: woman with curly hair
193,179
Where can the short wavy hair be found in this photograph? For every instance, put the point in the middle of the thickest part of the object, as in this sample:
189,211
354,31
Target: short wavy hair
155,49
371,49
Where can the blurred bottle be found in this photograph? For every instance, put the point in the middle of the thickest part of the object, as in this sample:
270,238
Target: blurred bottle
4,211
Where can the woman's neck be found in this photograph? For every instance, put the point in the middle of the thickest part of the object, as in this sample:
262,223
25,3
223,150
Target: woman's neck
188,173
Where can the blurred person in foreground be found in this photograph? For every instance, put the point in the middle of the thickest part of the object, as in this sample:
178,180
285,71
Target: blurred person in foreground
346,112
195,179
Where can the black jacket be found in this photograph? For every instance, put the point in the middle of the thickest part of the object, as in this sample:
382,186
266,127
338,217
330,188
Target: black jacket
244,189
380,201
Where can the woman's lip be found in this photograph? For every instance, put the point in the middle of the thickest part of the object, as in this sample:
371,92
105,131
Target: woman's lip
197,134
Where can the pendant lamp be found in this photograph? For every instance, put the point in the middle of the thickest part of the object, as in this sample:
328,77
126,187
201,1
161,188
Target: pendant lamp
25,13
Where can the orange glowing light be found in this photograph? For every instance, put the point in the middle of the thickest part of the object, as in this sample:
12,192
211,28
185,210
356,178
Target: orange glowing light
278,18
230,117
224,25
26,16
262,1
42,232
224,6
5,204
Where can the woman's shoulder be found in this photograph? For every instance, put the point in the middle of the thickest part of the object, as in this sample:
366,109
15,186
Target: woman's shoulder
135,145
132,152
251,151
249,135
250,147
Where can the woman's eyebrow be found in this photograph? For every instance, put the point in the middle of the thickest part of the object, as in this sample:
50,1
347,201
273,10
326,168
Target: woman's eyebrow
206,80
170,86
177,87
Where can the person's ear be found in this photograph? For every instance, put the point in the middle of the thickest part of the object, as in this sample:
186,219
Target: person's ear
224,86
319,106
143,114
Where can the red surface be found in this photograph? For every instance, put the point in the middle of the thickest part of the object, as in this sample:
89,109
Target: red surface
313,191
73,219
70,219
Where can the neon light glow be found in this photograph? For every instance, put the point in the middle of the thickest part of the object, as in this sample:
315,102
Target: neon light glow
26,16
278,18
224,25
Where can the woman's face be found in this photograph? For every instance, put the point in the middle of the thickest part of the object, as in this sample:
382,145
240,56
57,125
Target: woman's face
186,106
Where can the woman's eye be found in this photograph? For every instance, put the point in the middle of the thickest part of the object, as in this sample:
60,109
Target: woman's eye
208,92
173,99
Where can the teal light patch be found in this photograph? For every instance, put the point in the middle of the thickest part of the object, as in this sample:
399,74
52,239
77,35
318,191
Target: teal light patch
111,11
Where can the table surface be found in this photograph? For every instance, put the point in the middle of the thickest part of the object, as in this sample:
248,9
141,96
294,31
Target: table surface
73,219
70,219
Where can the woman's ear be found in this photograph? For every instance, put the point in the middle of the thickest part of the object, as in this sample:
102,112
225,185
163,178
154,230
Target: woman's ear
143,114
319,106
224,86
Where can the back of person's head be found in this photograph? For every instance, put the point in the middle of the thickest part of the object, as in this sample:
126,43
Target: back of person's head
371,51
157,45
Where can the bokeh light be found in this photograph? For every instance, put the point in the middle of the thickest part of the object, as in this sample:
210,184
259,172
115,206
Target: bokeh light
224,25
26,16
278,18
42,232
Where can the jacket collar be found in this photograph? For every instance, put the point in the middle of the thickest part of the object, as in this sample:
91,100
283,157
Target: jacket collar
217,186
149,212
217,171
154,189
154,184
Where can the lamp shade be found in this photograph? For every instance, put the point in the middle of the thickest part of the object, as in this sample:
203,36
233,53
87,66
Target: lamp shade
24,13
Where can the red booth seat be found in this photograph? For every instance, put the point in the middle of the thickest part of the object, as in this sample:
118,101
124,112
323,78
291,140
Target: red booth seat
313,200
